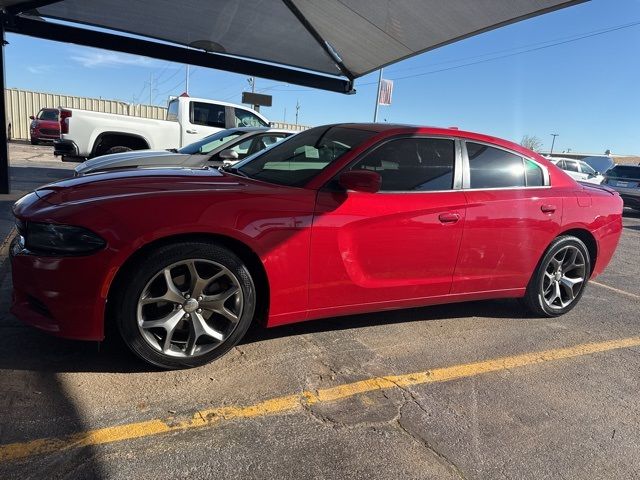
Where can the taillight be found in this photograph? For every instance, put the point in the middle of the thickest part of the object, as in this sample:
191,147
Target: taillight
64,120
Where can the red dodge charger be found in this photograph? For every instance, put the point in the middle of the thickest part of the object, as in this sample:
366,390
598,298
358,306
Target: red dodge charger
336,220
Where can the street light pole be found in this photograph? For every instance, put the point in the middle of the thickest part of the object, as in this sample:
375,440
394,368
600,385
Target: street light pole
553,142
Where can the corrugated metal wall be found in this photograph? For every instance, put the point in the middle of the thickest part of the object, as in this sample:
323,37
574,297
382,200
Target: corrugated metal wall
21,104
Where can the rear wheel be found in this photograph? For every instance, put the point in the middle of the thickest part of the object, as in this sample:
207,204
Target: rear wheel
186,305
561,276
117,150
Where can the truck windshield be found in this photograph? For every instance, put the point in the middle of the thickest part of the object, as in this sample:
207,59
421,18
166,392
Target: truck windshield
210,143
300,158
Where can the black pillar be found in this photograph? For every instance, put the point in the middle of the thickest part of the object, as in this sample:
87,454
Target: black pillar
4,148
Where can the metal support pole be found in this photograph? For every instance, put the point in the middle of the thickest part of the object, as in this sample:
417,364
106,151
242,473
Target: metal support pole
4,148
375,112
553,142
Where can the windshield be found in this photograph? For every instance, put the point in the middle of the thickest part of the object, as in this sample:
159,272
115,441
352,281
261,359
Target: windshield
300,158
210,143
51,115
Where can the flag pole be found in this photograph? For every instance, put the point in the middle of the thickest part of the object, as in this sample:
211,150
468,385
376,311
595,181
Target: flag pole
375,112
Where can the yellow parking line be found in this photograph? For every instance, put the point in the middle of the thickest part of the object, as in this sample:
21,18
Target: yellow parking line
628,294
297,401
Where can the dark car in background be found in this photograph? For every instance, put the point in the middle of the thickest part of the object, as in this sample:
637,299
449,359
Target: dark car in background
45,127
625,179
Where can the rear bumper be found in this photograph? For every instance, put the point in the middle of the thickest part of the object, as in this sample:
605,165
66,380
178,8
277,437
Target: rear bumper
607,238
65,147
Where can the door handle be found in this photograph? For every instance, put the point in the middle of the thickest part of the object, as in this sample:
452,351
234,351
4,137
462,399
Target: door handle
449,217
192,131
547,208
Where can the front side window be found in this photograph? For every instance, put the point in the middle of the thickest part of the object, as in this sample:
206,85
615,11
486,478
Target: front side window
300,158
491,167
207,114
210,143
412,164
587,169
245,118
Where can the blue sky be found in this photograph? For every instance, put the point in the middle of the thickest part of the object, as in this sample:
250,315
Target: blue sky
587,90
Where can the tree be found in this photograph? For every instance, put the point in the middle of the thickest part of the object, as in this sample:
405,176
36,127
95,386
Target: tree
531,142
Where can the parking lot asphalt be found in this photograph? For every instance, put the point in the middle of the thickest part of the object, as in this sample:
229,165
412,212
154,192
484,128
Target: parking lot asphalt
474,390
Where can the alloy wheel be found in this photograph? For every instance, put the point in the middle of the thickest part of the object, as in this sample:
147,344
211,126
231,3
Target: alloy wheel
190,308
564,277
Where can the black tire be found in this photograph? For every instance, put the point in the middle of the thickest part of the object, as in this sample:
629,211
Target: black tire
533,298
117,149
34,142
140,274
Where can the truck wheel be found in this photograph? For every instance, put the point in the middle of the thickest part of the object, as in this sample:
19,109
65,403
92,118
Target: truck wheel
117,150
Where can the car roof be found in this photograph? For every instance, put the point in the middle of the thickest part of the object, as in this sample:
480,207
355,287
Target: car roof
261,129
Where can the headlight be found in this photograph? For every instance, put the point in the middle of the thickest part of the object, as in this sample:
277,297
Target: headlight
52,239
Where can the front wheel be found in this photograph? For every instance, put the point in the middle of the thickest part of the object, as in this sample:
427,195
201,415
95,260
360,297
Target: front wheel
560,278
185,305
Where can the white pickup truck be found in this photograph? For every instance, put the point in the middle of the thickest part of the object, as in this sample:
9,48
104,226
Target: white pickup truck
86,134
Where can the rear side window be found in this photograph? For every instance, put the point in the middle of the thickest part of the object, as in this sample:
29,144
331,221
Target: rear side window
570,166
533,174
172,111
494,168
413,164
207,114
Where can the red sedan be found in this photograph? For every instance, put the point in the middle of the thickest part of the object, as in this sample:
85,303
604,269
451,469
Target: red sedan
336,220
44,126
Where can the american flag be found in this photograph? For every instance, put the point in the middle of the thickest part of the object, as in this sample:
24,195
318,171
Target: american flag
386,89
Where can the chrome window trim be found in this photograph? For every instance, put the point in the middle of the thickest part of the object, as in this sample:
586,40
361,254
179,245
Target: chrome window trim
466,177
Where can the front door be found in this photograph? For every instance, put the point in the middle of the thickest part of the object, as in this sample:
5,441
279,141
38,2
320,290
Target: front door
397,245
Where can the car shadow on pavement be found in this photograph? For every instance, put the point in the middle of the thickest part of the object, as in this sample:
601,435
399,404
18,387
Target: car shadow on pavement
503,309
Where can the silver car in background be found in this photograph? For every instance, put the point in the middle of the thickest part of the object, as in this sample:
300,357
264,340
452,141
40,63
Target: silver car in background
233,145
578,170
625,179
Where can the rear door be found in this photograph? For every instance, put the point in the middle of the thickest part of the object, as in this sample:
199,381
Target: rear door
512,215
397,245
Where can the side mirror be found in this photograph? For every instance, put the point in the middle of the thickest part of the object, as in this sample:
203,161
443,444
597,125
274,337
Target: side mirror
228,154
361,181
31,117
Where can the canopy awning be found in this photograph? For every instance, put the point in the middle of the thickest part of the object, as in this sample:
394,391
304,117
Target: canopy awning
319,43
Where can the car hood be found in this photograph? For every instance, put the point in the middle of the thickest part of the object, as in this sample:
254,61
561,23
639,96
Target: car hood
137,158
138,183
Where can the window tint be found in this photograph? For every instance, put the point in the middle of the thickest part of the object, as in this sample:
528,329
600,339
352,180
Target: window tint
571,166
207,114
533,173
248,119
494,168
412,164
172,110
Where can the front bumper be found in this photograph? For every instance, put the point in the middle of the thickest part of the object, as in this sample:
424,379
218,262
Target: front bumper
64,296
65,147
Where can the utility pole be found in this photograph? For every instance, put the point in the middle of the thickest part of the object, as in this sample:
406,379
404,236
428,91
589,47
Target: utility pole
297,110
150,88
284,118
186,81
553,142
375,112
